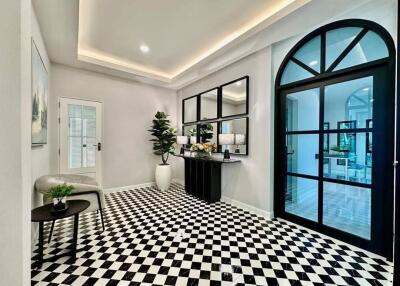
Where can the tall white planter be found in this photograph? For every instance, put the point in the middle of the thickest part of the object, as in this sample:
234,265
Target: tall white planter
163,176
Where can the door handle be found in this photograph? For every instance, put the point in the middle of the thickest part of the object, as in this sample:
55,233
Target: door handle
98,145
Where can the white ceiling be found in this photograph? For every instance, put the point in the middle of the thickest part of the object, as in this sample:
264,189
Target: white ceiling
178,32
188,39
107,34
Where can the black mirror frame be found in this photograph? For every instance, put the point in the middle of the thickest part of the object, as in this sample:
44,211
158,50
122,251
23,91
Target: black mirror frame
219,119
247,97
197,109
187,146
199,103
197,126
247,135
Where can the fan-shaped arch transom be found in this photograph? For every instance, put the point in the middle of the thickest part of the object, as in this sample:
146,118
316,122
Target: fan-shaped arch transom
333,50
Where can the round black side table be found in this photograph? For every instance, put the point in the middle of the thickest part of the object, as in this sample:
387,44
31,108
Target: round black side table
43,214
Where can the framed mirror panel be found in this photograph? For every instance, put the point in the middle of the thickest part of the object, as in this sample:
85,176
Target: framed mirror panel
234,136
189,109
209,104
191,132
235,97
208,132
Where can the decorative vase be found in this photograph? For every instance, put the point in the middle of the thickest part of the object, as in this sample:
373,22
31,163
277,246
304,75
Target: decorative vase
163,177
202,154
59,203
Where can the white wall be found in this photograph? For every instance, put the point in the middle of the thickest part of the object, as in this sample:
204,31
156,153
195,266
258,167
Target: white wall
40,155
15,118
128,109
250,181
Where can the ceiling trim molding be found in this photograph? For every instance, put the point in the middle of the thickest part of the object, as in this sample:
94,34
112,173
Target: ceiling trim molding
113,62
92,56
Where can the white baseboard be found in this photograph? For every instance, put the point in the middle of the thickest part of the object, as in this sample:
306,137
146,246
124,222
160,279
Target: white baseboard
178,181
138,186
265,214
127,188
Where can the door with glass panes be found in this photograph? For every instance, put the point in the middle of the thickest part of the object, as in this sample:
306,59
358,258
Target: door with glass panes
335,134
80,137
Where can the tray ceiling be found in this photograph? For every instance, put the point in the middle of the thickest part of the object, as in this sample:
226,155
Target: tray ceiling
186,38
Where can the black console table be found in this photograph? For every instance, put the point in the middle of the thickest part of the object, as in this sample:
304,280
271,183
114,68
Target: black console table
203,176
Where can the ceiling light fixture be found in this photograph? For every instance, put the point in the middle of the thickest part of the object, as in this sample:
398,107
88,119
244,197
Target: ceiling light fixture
144,48
239,83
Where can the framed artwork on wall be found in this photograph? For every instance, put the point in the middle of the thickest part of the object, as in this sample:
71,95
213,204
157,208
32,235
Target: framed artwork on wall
40,91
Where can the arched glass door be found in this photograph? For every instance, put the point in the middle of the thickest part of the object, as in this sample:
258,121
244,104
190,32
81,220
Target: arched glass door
335,134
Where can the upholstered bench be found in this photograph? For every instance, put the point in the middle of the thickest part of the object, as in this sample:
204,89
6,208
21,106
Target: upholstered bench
85,188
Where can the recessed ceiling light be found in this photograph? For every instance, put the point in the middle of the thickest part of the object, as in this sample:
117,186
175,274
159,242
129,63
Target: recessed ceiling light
313,63
239,83
144,48
366,89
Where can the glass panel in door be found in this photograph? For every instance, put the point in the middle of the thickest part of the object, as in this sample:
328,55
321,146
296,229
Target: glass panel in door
349,101
348,110
301,197
302,154
302,148
302,110
348,208
82,136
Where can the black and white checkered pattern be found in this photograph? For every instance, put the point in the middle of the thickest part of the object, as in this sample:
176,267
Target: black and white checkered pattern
157,237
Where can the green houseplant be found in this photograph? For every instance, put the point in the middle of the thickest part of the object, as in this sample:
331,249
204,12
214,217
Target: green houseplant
59,195
206,132
164,138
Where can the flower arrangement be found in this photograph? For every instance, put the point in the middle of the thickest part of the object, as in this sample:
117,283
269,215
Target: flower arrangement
204,148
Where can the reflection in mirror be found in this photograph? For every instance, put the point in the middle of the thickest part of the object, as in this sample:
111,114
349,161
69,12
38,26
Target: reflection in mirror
190,110
191,132
237,127
208,132
234,98
208,105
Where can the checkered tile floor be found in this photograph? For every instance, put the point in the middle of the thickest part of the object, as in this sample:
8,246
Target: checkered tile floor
170,238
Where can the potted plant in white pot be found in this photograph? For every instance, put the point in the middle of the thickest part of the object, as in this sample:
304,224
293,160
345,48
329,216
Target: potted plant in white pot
163,145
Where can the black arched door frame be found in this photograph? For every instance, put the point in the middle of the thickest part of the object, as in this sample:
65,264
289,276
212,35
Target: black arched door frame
383,71
396,278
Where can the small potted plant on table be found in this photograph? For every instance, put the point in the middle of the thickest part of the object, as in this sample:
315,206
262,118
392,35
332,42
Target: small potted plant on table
59,195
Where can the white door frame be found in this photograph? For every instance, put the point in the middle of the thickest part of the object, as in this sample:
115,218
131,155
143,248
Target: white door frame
63,144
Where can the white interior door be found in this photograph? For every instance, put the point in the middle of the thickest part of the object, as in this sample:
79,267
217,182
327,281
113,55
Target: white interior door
80,137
